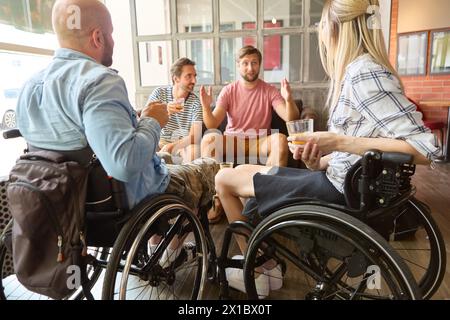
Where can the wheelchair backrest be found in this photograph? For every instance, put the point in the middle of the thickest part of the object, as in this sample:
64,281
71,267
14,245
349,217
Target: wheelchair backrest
378,179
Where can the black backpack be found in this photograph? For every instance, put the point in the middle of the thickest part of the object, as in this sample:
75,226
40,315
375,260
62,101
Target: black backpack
46,195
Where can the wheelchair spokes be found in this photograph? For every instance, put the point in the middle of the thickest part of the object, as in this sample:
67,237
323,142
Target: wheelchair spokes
325,260
163,260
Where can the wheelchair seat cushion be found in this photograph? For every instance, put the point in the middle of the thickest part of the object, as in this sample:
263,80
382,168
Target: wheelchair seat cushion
283,185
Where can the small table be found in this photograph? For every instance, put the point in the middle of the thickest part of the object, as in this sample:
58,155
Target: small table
440,104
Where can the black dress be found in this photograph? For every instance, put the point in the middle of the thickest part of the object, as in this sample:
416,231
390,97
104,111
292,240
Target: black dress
282,185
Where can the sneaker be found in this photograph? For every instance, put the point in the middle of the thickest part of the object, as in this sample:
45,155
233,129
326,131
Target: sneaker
168,256
275,276
235,278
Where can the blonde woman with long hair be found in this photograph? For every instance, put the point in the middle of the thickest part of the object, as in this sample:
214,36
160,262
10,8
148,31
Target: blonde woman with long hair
367,110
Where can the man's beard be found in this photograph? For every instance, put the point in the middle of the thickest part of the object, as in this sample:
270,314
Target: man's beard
188,88
107,59
248,79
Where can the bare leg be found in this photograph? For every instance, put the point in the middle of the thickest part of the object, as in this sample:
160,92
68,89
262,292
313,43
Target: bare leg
190,153
233,184
276,147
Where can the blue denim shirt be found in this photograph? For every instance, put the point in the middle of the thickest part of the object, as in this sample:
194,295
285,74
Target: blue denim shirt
76,101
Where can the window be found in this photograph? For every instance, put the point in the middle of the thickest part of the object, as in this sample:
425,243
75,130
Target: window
230,21
440,52
16,68
194,16
160,20
412,53
200,52
282,29
27,23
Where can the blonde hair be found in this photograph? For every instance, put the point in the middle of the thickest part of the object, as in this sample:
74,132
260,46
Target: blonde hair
344,35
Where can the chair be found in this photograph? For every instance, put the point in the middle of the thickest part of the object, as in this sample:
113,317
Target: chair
330,251
117,239
430,124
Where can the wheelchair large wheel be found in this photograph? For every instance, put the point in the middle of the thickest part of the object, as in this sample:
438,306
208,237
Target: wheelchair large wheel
11,289
135,272
419,242
328,255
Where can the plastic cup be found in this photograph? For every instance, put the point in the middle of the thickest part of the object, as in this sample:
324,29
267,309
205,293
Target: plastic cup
297,127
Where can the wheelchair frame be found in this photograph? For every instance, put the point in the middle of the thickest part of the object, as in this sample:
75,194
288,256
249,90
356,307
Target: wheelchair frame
156,208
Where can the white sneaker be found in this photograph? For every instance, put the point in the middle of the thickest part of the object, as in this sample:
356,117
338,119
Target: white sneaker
275,277
235,278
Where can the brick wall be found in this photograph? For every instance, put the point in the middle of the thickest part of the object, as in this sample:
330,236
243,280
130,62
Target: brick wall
421,87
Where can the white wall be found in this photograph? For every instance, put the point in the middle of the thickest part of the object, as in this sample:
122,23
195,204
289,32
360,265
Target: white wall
123,50
417,15
385,11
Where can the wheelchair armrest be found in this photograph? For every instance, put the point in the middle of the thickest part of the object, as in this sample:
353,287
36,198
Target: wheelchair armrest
12,133
397,158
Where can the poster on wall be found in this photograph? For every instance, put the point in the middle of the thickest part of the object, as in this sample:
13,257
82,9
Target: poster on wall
272,45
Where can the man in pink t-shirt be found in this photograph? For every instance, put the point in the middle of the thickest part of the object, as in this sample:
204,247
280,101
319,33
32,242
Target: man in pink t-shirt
248,104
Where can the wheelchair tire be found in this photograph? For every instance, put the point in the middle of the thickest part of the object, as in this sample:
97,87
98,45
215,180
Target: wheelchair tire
329,255
11,289
419,242
133,272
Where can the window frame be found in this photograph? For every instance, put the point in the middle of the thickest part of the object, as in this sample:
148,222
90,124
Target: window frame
305,31
430,57
427,37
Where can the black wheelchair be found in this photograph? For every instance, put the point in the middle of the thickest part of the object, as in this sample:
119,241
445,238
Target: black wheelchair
118,241
364,250
326,251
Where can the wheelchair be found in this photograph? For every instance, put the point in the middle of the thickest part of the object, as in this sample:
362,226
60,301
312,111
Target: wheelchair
118,245
383,244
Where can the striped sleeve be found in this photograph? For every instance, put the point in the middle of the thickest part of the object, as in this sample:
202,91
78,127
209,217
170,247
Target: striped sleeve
377,95
155,96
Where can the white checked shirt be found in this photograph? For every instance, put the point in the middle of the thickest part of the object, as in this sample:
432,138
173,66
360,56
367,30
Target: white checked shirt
372,105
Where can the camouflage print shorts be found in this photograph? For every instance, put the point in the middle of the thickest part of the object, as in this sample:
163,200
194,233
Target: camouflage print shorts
194,181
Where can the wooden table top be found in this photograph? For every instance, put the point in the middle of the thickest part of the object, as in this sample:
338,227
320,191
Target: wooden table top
435,103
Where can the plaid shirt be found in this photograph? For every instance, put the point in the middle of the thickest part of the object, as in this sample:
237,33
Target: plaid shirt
372,105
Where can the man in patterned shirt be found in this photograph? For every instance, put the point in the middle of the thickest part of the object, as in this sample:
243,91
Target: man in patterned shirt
185,113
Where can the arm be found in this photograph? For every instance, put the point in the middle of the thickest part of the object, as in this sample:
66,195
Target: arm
386,114
194,137
288,110
328,142
123,146
212,119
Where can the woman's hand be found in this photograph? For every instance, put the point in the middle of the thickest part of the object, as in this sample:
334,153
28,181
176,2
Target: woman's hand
327,142
309,153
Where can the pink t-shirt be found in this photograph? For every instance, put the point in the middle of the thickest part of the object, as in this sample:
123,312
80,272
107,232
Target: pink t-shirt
249,110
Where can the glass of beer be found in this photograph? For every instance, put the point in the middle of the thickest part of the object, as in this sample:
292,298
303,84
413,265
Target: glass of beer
176,105
224,165
297,127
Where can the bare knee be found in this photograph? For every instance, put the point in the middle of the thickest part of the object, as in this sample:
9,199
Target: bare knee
222,181
211,144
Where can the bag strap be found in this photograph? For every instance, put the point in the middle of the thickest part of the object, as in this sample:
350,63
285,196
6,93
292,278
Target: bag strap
44,155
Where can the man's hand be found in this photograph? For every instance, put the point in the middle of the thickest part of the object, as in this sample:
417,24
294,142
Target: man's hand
286,91
157,111
206,97
168,148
